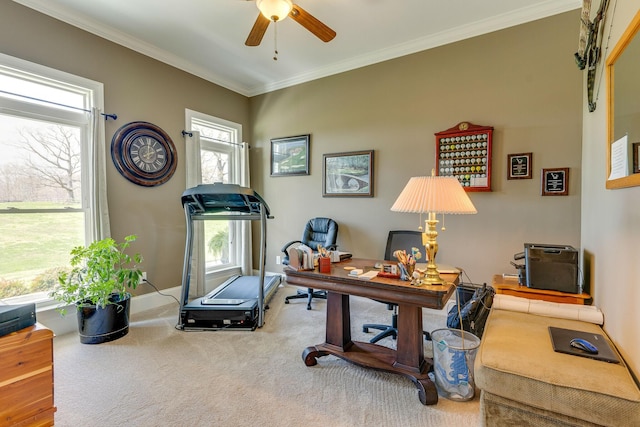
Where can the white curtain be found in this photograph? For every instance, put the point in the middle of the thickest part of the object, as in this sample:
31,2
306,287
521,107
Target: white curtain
242,153
98,208
194,177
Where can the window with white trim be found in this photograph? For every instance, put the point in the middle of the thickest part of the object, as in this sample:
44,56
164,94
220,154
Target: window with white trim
45,122
219,162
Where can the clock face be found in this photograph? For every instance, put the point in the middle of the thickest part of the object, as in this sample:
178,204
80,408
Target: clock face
148,154
143,153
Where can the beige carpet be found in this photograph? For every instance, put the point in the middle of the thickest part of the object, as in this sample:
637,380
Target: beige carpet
159,376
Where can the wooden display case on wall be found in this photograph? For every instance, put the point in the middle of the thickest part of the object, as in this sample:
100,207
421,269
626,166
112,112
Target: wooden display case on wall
464,152
26,377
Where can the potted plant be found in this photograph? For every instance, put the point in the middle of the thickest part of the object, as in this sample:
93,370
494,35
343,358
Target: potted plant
98,285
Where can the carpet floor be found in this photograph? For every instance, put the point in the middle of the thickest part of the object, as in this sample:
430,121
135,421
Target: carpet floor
159,376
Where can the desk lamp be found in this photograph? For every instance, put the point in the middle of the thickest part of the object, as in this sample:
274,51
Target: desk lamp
433,195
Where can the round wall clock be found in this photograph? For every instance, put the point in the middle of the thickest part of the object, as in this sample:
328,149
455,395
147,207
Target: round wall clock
144,154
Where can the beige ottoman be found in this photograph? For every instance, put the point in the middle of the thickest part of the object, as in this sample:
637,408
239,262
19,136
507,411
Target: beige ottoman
524,382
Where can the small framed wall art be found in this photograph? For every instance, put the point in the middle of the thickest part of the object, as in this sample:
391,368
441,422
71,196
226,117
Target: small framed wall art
519,166
635,147
555,182
290,156
348,174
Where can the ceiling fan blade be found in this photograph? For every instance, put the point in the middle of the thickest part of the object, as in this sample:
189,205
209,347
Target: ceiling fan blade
258,30
312,24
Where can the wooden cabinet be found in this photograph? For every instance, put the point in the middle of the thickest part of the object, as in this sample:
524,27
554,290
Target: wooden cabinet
26,377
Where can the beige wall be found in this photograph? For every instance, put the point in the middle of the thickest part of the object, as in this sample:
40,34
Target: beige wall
611,218
136,88
522,81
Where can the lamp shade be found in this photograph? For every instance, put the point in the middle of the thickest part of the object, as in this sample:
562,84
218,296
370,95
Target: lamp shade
274,10
437,194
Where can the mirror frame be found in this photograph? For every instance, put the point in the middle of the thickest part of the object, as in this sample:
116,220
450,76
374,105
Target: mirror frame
631,180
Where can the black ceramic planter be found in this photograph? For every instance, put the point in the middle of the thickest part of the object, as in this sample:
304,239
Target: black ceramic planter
97,325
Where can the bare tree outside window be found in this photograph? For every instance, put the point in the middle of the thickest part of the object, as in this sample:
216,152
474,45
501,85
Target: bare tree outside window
40,197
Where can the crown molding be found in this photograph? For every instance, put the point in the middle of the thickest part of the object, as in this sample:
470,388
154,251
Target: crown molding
496,23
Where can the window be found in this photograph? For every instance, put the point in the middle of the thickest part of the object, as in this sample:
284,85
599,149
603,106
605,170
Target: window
45,129
220,161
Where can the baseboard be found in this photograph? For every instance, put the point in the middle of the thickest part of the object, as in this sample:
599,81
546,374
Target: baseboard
61,325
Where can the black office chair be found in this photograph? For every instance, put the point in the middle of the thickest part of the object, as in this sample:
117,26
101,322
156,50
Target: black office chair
318,231
397,240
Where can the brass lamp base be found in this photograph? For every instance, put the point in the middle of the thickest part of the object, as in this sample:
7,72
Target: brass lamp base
432,277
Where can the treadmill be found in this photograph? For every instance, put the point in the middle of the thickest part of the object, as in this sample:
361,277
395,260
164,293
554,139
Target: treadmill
240,302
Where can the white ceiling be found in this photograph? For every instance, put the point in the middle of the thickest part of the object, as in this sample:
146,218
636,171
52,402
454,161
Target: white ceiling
206,37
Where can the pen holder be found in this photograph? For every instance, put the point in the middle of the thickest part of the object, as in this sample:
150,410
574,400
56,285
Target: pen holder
406,271
324,264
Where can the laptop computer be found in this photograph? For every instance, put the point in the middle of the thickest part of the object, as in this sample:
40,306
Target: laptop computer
561,339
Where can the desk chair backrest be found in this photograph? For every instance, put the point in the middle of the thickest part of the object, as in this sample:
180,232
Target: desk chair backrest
320,231
397,240
403,239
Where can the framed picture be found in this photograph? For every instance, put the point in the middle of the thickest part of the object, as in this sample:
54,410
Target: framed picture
555,182
519,166
290,156
635,147
348,174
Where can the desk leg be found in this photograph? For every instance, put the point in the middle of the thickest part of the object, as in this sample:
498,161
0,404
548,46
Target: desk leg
410,352
407,360
338,332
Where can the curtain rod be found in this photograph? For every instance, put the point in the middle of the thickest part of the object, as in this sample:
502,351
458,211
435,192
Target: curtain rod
185,133
106,116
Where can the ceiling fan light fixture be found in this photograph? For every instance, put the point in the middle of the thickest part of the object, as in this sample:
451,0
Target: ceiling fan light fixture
274,10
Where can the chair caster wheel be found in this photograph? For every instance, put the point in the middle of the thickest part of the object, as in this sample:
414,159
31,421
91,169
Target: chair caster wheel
308,307
365,329
286,301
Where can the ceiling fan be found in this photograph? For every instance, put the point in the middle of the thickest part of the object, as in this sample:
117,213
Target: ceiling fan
277,10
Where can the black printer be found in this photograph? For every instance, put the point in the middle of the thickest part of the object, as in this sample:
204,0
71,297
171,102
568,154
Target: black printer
551,267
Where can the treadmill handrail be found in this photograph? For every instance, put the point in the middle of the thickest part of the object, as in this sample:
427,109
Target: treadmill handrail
219,197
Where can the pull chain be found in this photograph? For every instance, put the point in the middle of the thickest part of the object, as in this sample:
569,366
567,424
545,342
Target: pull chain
275,40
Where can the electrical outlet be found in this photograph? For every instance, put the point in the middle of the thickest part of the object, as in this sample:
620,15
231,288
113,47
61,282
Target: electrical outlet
144,277
278,259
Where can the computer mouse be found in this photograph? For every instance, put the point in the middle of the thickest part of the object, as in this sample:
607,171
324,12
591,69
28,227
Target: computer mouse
584,345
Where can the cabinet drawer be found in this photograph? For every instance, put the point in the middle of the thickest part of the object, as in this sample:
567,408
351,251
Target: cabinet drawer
26,398
43,419
20,361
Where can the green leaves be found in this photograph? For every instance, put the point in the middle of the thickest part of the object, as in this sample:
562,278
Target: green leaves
97,272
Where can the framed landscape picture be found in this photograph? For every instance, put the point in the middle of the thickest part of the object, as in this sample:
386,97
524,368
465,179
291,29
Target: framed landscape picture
290,156
348,174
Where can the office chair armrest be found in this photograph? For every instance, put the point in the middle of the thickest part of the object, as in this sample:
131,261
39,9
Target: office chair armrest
284,248
332,248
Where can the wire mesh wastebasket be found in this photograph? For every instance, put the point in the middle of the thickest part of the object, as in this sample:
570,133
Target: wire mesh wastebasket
454,353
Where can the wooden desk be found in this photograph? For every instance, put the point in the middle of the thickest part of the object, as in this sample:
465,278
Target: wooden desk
511,286
408,359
